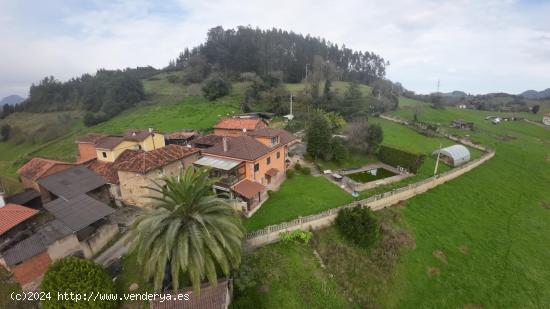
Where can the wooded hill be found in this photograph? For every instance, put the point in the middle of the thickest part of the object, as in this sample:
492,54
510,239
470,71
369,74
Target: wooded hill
274,54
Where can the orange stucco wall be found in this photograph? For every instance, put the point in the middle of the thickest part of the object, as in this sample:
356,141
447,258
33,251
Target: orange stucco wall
32,268
86,152
259,176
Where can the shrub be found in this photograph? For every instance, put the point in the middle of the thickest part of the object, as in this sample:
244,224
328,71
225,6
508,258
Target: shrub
395,157
172,78
91,119
298,166
216,87
79,276
339,150
305,170
358,225
296,236
290,173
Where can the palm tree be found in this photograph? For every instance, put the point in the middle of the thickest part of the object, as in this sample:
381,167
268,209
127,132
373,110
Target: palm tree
189,230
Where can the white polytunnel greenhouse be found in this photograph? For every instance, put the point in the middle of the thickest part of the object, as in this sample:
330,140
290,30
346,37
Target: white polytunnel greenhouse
454,155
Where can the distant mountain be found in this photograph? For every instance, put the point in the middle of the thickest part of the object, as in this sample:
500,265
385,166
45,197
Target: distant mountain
12,99
533,94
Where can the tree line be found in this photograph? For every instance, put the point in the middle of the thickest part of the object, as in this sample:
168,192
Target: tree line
264,52
101,95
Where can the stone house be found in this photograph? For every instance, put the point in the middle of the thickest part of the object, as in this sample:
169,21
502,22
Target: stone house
147,167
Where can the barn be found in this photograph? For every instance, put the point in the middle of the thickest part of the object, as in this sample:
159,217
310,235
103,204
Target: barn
454,155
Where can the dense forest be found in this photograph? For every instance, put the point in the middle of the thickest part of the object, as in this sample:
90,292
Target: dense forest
102,95
275,51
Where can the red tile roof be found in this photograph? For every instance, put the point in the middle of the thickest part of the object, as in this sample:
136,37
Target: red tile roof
245,147
137,135
248,188
210,297
285,137
109,142
272,172
108,170
143,162
239,123
13,214
181,134
238,147
37,167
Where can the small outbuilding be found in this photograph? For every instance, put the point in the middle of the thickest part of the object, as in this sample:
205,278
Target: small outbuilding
454,155
462,124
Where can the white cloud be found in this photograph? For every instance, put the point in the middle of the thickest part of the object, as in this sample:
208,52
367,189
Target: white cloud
470,45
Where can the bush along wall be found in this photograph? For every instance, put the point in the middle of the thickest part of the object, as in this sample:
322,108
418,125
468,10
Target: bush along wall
397,157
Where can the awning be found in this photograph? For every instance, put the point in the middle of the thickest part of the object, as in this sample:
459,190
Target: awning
248,189
218,163
272,172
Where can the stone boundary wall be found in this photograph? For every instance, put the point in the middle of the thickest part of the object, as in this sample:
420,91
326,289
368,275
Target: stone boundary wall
326,218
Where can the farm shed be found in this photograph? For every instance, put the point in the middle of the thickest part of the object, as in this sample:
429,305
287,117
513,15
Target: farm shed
454,155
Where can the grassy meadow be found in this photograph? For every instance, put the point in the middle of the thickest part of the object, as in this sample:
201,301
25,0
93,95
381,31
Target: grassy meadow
480,241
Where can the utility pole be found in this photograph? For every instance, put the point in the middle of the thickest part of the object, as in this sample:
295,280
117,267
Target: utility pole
291,103
438,84
306,72
437,161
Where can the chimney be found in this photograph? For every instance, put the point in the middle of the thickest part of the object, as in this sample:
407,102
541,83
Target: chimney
2,201
224,142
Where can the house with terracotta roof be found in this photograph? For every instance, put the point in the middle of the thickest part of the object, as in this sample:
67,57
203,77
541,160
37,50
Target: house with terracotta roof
107,148
36,168
14,220
142,170
238,125
247,165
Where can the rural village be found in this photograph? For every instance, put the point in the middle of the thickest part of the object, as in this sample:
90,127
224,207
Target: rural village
264,168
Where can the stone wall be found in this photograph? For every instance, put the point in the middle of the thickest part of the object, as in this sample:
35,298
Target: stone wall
271,233
98,240
64,247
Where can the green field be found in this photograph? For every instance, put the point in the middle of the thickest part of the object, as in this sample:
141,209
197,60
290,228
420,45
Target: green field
481,239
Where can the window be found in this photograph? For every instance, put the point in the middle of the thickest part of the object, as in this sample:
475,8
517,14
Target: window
104,154
278,154
256,167
268,160
274,140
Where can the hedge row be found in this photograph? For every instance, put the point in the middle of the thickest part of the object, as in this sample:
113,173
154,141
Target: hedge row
397,157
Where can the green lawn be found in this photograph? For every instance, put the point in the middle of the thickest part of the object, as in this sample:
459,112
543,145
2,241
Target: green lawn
353,160
299,196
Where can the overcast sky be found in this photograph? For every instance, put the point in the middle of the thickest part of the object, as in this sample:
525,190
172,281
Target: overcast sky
475,46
